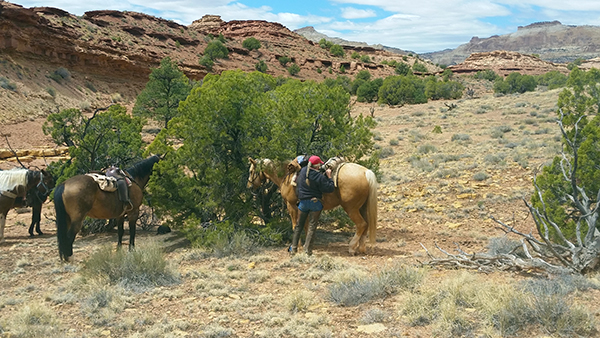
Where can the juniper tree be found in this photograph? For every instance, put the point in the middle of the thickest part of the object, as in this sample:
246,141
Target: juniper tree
160,98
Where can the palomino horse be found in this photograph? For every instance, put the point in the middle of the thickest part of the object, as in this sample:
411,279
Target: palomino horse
15,184
80,196
356,192
35,198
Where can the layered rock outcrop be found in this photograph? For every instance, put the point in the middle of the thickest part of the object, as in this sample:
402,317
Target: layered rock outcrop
505,62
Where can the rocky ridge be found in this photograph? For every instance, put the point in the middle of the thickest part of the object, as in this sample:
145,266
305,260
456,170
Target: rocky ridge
313,35
505,62
552,41
109,55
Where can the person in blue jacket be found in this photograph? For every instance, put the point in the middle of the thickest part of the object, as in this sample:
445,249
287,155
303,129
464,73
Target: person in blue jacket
311,186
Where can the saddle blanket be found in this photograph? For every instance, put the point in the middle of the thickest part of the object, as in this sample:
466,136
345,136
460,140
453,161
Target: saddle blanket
105,183
10,179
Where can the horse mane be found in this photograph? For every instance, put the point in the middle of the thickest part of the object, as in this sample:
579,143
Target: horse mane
143,167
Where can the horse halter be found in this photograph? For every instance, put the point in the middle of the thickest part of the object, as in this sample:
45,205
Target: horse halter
46,189
255,175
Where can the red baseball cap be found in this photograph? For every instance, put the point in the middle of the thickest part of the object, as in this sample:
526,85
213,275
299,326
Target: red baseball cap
315,160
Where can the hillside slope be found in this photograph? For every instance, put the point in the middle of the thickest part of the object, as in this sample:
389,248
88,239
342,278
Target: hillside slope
109,55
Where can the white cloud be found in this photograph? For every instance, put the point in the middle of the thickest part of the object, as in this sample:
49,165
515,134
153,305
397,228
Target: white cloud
354,13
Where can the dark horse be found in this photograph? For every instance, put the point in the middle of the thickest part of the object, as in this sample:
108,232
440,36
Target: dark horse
15,184
35,198
80,196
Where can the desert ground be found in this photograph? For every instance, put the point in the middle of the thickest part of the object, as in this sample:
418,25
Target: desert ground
436,188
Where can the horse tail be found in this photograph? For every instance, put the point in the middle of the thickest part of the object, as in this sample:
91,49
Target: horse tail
372,206
62,232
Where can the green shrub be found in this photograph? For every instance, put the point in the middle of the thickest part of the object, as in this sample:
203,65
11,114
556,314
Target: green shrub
437,90
91,86
342,81
293,69
337,50
363,75
487,74
368,91
6,84
51,91
261,66
365,59
216,50
325,44
419,67
515,83
355,55
283,60
251,43
400,90
228,239
207,62
552,79
403,69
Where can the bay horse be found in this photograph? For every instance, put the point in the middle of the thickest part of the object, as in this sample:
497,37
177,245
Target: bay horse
80,196
14,184
356,193
35,198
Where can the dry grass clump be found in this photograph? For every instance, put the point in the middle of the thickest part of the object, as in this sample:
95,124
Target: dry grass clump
461,137
216,331
358,289
34,320
374,315
141,269
467,305
299,301
103,304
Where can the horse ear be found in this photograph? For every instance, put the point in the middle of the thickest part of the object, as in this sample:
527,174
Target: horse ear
251,160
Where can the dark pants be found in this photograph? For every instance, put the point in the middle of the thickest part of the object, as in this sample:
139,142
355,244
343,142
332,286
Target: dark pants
312,228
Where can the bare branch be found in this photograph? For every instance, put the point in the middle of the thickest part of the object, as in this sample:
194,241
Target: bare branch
13,151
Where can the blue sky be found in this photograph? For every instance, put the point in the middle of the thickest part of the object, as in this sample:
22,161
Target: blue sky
419,26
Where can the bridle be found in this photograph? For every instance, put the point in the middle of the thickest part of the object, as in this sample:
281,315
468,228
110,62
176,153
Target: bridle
43,185
255,174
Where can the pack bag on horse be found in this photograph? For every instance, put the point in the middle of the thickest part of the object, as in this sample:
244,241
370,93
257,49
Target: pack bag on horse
15,183
81,196
355,191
